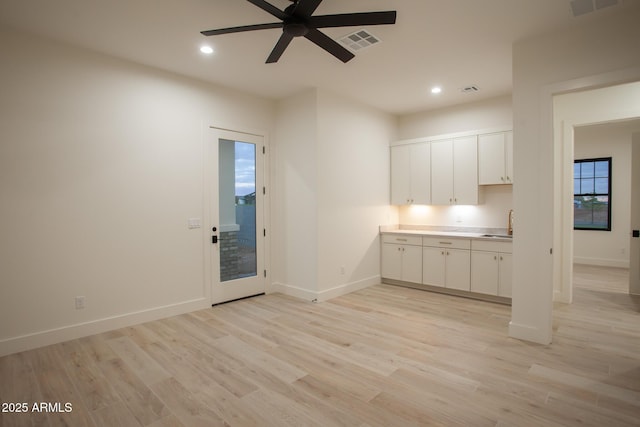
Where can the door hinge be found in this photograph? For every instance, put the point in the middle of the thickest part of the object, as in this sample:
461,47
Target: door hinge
264,190
264,232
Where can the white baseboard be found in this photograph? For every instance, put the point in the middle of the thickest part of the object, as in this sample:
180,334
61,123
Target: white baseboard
327,294
347,288
294,291
601,262
529,333
66,333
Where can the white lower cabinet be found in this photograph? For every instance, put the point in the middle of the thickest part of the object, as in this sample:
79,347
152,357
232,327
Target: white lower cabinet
402,258
505,276
446,263
473,265
491,268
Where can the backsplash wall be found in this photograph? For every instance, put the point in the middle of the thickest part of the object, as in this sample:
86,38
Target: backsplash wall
492,212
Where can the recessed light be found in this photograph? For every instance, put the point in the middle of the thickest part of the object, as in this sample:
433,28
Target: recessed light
436,89
206,50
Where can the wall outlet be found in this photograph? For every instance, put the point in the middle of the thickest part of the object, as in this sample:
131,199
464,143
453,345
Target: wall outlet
79,303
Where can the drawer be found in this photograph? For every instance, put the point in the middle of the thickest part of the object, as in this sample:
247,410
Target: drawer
402,239
489,246
446,242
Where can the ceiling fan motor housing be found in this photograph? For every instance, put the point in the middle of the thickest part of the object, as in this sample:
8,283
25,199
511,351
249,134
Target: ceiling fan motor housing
295,27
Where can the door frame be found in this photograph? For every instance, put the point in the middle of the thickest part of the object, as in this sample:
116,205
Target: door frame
563,177
207,174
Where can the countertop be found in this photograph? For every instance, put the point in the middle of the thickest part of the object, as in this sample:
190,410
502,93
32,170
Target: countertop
475,233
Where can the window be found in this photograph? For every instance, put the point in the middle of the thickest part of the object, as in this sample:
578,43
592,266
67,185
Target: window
592,194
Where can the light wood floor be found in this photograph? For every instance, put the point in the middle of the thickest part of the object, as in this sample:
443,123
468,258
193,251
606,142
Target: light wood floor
383,356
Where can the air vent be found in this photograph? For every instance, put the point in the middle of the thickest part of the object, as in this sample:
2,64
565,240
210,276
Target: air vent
470,89
359,40
582,7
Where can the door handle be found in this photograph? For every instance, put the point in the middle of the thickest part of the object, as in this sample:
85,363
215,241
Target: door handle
214,238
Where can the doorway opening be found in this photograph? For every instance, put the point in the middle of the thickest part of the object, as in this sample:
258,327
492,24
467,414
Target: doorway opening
612,110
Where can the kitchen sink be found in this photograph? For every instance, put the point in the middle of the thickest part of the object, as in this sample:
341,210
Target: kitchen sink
498,236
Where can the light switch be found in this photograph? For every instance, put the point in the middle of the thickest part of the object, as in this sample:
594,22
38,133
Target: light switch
194,223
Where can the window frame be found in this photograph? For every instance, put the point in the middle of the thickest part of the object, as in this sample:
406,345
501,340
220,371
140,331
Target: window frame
609,160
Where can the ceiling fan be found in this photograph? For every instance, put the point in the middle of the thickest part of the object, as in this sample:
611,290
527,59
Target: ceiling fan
297,21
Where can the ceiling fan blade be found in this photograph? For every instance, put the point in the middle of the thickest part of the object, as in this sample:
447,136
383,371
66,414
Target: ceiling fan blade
353,19
330,45
242,29
305,8
268,7
278,50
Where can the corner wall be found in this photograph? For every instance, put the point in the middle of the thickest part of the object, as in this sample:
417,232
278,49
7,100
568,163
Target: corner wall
331,177
100,169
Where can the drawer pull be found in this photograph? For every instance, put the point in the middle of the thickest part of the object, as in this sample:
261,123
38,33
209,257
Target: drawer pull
446,243
401,240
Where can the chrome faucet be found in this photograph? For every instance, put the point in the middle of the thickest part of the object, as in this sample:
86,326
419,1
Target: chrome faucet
510,223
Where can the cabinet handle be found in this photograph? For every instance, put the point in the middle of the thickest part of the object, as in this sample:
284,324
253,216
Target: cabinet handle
400,240
442,253
500,257
446,243
447,252
508,179
495,257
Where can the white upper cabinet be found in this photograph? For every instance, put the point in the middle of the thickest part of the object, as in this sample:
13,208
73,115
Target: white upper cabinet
495,158
411,174
454,171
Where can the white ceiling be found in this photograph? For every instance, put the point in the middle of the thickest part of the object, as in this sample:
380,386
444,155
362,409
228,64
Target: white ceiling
452,43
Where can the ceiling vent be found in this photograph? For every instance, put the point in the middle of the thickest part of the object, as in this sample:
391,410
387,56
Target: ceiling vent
582,7
470,89
359,40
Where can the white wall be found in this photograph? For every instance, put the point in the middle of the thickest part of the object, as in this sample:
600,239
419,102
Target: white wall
332,183
294,194
353,192
100,168
495,200
607,248
593,53
489,113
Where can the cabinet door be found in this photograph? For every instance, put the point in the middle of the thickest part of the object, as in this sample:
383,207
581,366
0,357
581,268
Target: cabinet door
465,171
400,175
433,266
484,272
505,281
420,165
491,159
391,265
412,264
508,154
458,269
442,172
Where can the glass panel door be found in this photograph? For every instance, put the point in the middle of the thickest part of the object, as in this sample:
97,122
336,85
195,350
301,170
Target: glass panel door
237,216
